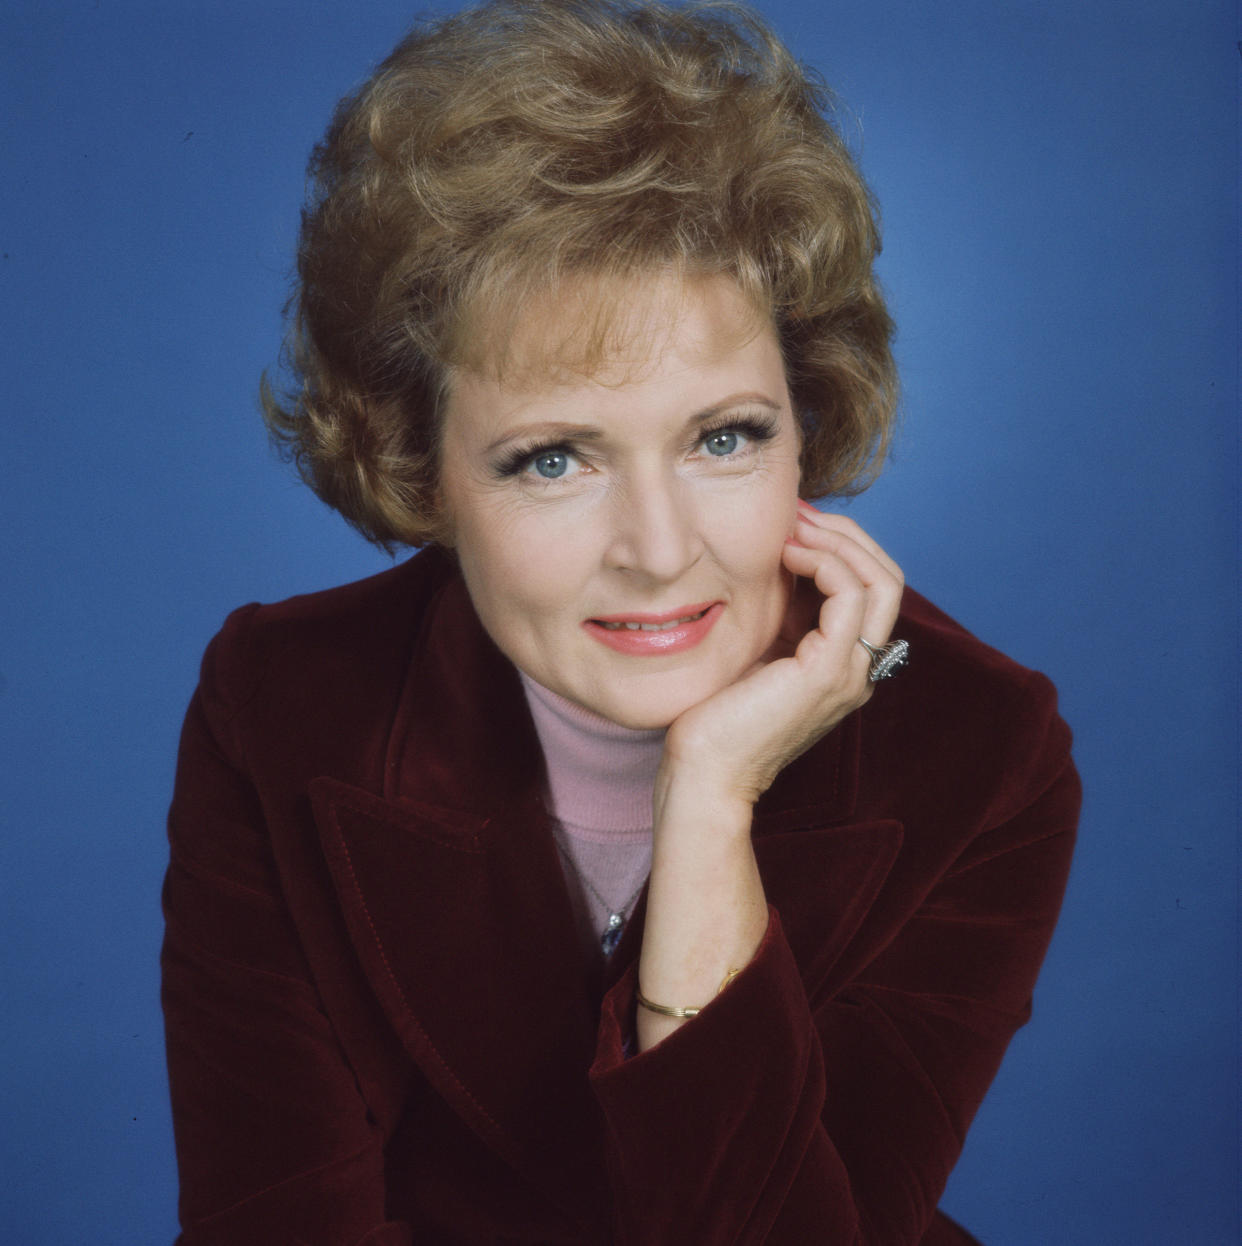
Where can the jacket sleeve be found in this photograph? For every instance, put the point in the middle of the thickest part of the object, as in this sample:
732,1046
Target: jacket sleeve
274,1143
783,1118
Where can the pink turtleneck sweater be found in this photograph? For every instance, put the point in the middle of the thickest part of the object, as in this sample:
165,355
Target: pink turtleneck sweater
600,782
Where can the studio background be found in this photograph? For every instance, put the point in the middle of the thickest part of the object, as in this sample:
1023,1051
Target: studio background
1058,182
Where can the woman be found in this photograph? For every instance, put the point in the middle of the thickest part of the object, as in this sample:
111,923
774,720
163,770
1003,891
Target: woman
567,883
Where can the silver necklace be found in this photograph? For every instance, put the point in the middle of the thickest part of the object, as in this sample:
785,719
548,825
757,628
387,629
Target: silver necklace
615,926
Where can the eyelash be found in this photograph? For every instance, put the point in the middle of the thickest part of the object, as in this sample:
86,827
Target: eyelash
755,427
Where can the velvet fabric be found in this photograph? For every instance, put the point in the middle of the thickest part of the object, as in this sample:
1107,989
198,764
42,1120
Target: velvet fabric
380,1025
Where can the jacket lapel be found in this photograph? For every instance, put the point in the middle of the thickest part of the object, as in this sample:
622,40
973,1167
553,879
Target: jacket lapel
453,895
822,865
824,883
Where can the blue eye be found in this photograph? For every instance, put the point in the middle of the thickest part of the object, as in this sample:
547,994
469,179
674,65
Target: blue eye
552,464
721,443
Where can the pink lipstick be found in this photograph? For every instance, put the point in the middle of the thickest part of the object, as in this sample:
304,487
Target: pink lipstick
652,635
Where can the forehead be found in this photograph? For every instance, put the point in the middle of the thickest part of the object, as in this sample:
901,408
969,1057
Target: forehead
608,331
678,350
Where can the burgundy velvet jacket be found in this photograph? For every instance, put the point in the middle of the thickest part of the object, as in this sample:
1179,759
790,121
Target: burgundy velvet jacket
381,1027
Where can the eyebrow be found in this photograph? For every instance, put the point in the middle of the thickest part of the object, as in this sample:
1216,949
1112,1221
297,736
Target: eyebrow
559,430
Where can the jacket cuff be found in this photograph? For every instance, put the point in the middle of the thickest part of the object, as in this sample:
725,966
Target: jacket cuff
741,1082
617,1040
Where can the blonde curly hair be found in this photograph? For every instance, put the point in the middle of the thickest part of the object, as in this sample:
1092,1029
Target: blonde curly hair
501,152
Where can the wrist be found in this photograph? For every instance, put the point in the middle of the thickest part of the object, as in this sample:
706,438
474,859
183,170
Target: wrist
695,799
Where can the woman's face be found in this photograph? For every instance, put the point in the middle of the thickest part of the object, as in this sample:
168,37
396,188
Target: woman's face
621,536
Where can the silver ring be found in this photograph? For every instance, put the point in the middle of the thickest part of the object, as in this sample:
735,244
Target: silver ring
887,659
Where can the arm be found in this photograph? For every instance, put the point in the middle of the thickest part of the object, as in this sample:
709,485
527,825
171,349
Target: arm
785,1115
706,909
274,1144
791,1111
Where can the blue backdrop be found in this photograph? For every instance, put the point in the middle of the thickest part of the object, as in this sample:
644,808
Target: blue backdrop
1059,185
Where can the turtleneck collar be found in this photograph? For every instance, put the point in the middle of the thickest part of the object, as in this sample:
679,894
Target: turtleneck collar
600,775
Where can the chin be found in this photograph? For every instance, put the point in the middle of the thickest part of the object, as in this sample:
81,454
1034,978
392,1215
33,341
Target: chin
656,707
642,718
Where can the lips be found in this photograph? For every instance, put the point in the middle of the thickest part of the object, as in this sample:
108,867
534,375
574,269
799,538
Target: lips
634,626
641,634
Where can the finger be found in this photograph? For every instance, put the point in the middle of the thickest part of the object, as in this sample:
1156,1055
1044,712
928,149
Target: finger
847,529
880,603
843,536
884,587
828,521
832,644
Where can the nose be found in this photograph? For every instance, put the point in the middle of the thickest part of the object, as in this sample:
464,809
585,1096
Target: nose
655,530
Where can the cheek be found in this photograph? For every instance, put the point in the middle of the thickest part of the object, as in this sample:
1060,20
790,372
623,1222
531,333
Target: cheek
519,568
750,536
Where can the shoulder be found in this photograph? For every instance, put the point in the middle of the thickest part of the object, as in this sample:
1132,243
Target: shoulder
329,636
955,648
977,722
952,669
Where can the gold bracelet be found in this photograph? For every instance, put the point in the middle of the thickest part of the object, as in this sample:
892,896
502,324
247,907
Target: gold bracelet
666,1010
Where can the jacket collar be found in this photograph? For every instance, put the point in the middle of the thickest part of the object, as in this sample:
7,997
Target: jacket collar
453,893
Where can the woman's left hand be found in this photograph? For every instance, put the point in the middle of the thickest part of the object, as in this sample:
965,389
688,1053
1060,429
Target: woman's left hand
738,740
706,909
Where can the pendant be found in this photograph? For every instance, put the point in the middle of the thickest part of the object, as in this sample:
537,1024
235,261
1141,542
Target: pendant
612,933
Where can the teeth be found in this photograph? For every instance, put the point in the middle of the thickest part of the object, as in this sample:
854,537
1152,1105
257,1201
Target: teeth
652,627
